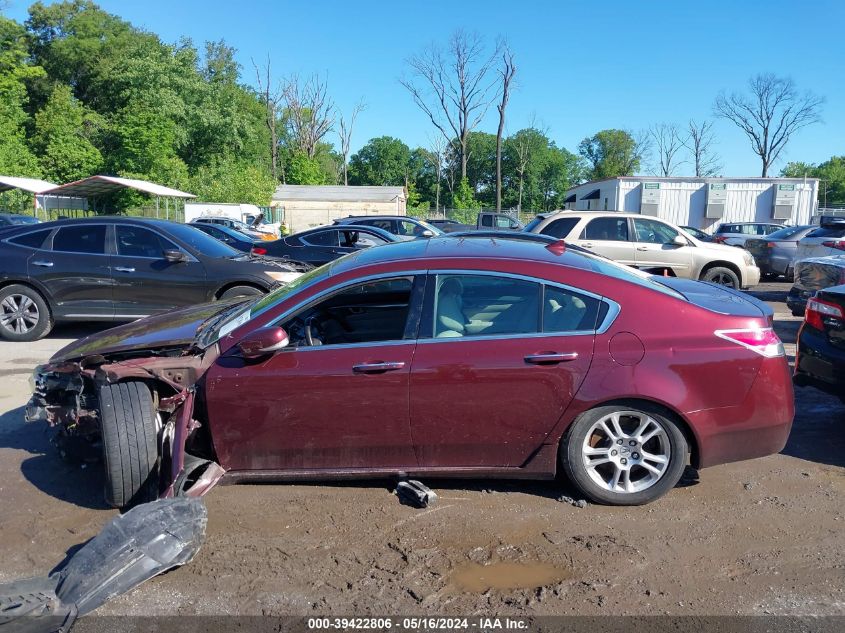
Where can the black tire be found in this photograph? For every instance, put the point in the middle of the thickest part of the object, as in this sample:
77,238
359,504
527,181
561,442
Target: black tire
722,276
574,462
29,304
240,291
797,313
130,445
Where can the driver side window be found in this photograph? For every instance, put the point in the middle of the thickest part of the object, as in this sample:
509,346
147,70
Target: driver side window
368,312
653,232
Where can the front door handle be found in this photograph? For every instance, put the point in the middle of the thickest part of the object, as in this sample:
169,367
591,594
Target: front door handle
643,248
550,358
124,269
587,244
377,368
43,263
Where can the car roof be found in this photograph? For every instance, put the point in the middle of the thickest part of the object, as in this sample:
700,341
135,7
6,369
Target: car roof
100,219
347,227
469,247
377,217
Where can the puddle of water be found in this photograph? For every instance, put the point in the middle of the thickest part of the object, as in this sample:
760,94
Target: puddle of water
476,578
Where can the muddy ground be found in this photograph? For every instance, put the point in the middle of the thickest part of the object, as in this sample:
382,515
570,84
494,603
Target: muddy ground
760,537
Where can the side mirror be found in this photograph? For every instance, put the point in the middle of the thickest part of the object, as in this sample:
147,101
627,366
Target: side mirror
263,341
175,256
427,233
680,241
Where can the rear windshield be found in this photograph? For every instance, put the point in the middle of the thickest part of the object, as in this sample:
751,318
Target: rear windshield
785,234
200,241
529,228
632,275
831,230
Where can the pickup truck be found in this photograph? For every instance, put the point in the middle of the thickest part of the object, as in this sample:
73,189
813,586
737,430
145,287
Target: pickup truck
486,221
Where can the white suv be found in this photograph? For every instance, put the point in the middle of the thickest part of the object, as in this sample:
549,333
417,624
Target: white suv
650,244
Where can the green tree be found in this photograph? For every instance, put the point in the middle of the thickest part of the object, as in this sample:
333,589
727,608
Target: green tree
301,170
611,153
798,170
228,180
382,161
463,200
62,139
831,175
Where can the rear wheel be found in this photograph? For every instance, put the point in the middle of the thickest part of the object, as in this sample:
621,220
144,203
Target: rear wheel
128,425
24,315
621,455
240,291
722,276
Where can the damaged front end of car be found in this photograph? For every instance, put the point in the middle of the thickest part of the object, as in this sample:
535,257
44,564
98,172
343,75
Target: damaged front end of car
66,397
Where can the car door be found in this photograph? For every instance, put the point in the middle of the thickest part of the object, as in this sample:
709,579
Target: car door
489,382
323,246
609,236
145,282
656,247
337,397
75,269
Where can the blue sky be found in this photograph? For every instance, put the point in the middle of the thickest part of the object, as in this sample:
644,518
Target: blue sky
582,66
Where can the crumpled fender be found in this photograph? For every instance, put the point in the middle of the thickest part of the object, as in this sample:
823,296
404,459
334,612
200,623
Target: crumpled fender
146,541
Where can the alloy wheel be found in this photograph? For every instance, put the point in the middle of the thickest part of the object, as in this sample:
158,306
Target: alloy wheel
723,279
626,452
18,314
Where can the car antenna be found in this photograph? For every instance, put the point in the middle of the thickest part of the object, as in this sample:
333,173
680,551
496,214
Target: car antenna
558,248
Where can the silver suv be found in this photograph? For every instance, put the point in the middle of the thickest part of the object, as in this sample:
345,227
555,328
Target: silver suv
652,245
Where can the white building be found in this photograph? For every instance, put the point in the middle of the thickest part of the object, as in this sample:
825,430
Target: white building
305,206
702,202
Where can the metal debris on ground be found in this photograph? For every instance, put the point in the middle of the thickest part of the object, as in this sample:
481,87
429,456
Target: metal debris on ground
577,503
415,493
148,540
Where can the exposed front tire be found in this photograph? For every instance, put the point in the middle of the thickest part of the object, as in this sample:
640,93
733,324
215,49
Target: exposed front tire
24,314
620,455
240,291
722,276
130,443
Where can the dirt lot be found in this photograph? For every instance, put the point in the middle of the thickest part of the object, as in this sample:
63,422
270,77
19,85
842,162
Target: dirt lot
758,537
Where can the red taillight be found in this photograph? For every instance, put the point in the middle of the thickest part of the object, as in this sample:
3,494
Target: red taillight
837,244
720,238
257,250
818,310
763,341
770,244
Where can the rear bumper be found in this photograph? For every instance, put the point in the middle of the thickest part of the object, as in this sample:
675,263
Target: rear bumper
773,264
757,427
818,363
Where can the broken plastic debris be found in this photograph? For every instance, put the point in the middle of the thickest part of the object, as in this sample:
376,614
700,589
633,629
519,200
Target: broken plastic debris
415,493
579,503
146,541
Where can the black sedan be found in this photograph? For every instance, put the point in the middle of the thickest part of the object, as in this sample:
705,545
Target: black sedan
820,354
113,268
227,235
326,243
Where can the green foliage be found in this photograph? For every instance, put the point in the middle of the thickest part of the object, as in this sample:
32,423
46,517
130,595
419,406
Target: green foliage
230,181
62,139
830,173
463,199
301,170
611,153
382,161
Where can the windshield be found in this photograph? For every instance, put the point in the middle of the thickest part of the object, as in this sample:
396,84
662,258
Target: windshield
201,242
785,234
430,227
229,321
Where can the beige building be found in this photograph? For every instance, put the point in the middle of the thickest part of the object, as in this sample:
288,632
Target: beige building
302,207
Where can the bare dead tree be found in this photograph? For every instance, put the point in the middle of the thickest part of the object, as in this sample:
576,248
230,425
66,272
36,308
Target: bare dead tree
454,89
309,112
770,115
345,134
667,140
507,71
699,141
271,97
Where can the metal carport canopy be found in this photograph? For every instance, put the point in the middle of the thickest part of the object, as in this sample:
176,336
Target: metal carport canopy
33,185
99,185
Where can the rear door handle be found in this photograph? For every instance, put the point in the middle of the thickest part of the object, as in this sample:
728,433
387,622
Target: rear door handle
643,248
377,368
550,358
124,269
43,263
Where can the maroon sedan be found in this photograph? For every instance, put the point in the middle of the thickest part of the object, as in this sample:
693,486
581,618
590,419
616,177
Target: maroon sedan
471,357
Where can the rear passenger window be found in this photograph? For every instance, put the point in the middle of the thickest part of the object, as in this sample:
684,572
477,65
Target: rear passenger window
613,229
321,238
485,305
31,240
560,228
567,311
90,239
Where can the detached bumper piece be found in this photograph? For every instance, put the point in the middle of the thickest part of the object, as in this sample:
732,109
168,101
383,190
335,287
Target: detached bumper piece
146,541
414,493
